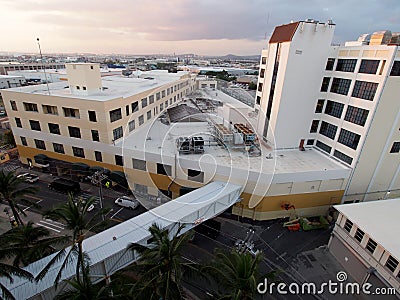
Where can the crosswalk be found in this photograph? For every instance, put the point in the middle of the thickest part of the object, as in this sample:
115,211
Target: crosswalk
85,196
51,225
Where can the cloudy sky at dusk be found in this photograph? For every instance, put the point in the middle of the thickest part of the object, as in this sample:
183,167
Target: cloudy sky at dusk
207,27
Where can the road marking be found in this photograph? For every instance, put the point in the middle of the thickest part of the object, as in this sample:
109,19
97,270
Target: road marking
33,197
55,222
48,227
116,212
57,226
117,220
31,205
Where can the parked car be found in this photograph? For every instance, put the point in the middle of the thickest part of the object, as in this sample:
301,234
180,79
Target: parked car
28,177
65,186
127,201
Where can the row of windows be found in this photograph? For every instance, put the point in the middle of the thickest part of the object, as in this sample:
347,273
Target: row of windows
367,66
346,137
391,263
353,114
328,130
362,89
343,157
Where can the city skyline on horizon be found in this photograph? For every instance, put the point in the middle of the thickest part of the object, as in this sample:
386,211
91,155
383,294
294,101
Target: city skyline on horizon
177,26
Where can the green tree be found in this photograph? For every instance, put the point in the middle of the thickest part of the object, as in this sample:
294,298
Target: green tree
74,215
27,243
237,274
11,190
9,138
161,267
8,271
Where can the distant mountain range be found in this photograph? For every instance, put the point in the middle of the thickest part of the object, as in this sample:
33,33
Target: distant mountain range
237,57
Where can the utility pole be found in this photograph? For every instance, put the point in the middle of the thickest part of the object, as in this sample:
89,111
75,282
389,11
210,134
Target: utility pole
97,178
44,67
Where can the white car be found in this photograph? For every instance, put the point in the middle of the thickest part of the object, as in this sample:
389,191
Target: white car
126,201
29,177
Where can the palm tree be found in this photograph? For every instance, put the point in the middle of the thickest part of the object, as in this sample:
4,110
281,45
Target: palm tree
26,244
160,267
74,215
237,274
11,190
8,271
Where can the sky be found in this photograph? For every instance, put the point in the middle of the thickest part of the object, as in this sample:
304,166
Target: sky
203,27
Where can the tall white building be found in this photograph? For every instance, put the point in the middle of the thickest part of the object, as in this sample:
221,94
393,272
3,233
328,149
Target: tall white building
342,100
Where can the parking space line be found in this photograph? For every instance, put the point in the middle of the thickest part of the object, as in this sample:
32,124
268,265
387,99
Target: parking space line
116,212
40,200
33,197
55,222
51,224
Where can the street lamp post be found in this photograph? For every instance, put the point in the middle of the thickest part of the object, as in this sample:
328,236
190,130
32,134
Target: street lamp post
97,178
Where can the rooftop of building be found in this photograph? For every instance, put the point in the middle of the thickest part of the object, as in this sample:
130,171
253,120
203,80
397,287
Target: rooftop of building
10,76
379,219
159,138
113,86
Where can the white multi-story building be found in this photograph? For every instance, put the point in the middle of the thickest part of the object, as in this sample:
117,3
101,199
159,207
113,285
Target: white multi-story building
339,99
365,242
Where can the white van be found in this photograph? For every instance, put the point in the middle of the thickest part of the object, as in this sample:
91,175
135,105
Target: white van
126,201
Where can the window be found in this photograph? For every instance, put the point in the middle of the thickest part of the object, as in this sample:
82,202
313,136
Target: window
118,133
115,115
258,100
320,106
162,94
13,105
141,189
127,110
334,109
364,90
395,147
310,142
371,245
343,157
262,73
144,102
54,128
392,263
23,141
368,66
78,152
356,115
263,60
164,169
91,67
149,115
97,155
77,87
323,146
346,65
18,122
119,160
40,144
314,126
74,132
135,106
260,87
325,84
348,225
395,69
340,86
329,64
158,96
71,112
195,175
359,235
59,148
328,130
131,125
35,125
84,88
139,164
349,139
92,116
167,91
30,107
151,99
166,104
95,135
161,107
50,110
141,120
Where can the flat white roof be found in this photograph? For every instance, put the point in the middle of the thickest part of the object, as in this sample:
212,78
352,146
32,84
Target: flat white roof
379,219
113,86
159,139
